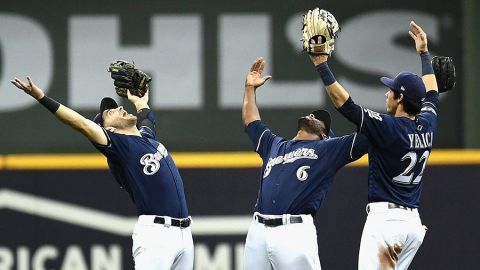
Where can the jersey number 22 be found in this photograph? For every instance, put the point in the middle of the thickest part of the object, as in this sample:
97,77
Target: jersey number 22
407,175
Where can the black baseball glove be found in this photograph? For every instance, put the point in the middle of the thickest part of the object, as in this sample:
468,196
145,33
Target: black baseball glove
444,73
127,77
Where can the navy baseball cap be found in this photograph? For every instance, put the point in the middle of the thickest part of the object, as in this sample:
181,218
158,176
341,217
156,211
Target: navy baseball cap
107,103
323,116
407,83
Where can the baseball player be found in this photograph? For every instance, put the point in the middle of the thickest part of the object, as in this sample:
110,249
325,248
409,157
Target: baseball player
296,175
162,237
400,144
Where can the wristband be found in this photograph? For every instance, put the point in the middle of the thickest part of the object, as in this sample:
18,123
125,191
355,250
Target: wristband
427,67
326,74
51,104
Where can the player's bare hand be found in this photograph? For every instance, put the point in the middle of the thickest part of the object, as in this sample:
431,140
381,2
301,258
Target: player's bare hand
139,102
28,87
419,36
254,76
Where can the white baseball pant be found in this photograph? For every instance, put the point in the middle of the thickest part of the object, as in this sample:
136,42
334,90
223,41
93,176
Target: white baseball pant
390,238
292,246
161,246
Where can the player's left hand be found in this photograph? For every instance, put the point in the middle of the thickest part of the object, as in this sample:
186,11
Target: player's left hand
139,102
254,77
29,88
128,78
420,37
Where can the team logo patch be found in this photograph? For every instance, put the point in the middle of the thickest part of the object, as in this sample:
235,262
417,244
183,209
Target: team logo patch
151,161
372,114
429,109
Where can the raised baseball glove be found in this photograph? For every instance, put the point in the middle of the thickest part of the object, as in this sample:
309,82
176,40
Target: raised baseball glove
127,77
444,73
319,31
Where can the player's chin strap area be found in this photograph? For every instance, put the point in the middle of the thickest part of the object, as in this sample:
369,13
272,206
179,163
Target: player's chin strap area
277,220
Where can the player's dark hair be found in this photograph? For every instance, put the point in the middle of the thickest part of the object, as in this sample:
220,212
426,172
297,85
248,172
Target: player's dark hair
313,127
323,132
410,107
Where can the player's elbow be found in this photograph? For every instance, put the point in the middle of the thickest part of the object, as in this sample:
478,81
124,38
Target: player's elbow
249,118
250,113
337,98
245,120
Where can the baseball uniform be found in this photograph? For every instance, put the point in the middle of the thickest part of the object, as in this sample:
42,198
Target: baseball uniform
398,153
296,175
162,237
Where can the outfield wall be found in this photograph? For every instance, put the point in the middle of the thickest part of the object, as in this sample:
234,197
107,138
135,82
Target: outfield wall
197,96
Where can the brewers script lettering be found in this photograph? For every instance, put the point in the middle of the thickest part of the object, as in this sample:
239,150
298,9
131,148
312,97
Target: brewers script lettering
289,158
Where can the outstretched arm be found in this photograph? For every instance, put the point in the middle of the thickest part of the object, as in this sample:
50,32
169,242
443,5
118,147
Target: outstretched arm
254,79
420,38
339,96
335,90
68,116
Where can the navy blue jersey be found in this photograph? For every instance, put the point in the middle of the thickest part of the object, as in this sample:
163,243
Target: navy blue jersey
144,168
296,174
399,150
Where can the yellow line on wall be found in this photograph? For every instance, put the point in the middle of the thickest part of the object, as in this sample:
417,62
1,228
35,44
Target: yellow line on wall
454,157
2,162
54,162
197,160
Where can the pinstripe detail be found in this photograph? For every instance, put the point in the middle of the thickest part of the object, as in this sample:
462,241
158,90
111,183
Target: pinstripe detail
361,123
353,143
260,139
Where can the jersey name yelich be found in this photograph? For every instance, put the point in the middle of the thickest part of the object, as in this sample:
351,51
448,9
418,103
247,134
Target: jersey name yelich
420,141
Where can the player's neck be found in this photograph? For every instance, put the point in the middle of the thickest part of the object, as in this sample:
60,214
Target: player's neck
401,113
302,135
128,131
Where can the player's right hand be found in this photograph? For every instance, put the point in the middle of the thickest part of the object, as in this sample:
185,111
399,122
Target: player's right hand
254,76
419,36
29,88
139,102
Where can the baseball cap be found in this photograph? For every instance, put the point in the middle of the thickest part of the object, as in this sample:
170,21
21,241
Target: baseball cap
323,116
407,83
106,104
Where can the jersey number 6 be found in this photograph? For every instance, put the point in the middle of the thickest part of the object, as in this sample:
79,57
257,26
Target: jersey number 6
406,176
302,173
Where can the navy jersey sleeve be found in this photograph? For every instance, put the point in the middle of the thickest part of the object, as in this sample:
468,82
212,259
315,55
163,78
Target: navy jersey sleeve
146,123
115,150
348,148
261,137
359,147
380,129
430,108
116,146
